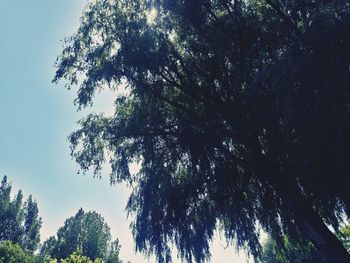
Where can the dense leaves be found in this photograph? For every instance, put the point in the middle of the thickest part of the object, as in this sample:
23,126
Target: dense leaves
298,252
77,258
236,111
20,222
290,252
113,255
84,232
13,253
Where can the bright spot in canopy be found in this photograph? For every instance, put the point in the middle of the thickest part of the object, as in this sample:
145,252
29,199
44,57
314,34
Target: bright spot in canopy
151,15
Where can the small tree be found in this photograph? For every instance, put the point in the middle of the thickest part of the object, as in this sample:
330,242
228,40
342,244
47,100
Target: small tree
86,232
113,255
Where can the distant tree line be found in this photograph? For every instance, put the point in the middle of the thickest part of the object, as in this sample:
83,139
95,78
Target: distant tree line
84,237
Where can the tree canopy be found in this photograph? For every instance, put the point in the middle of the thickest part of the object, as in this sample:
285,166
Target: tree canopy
84,238
290,252
236,111
86,232
77,258
20,222
13,253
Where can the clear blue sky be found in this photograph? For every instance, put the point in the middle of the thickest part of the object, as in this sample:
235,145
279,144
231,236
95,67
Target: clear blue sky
36,117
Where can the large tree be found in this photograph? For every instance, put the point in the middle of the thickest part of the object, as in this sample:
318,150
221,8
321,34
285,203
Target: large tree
237,112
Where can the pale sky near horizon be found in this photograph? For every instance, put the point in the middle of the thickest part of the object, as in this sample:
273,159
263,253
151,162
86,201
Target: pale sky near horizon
36,117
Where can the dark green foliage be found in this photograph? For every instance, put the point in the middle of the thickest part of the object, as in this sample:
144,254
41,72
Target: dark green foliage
113,255
11,213
32,225
237,111
84,232
48,248
290,252
20,223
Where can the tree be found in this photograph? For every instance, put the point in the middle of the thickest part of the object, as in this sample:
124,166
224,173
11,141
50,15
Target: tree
32,225
76,257
236,111
84,232
47,249
13,253
287,251
10,213
113,255
20,222
290,252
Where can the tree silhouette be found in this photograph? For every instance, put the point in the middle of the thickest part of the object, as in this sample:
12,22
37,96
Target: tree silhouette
237,112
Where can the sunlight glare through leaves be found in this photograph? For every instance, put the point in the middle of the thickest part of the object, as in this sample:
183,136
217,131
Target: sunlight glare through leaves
151,15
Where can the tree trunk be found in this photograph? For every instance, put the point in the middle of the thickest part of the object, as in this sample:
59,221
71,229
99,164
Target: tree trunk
307,220
313,228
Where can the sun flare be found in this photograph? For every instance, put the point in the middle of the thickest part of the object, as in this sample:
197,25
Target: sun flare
151,15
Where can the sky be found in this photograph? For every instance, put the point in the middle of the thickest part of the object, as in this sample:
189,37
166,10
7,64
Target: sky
36,117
